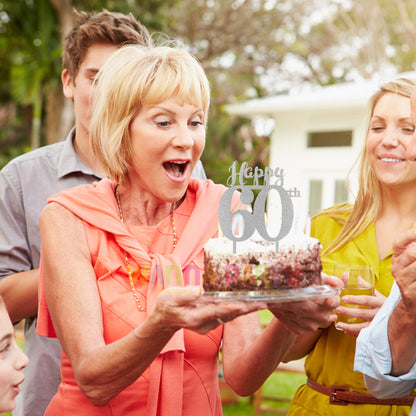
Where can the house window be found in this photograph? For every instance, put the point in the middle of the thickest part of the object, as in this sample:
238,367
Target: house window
315,196
341,192
330,138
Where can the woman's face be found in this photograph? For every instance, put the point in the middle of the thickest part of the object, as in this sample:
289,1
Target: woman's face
12,363
390,133
167,139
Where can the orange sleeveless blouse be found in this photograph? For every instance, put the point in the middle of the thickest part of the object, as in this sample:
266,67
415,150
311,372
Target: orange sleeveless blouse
183,379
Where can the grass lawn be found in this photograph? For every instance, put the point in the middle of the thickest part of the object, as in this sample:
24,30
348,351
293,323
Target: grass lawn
278,384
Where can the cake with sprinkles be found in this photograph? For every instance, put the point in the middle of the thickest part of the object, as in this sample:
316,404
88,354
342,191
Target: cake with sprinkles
255,266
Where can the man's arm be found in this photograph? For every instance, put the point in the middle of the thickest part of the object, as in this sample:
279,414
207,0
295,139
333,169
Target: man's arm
386,350
20,293
18,284
402,322
373,355
402,339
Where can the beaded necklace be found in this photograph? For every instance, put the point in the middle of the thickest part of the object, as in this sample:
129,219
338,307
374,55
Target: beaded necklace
130,268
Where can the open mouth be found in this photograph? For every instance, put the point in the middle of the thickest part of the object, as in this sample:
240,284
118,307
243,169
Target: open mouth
176,168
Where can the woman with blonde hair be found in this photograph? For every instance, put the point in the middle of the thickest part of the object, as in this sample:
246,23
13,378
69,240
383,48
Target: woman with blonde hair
112,251
361,234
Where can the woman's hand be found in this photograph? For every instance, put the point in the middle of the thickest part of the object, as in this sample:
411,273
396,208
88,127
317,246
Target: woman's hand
372,303
309,315
178,308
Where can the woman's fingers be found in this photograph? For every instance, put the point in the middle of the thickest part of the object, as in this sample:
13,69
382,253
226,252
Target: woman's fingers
308,315
181,308
332,281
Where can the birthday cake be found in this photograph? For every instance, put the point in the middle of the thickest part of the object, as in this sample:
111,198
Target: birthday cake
256,266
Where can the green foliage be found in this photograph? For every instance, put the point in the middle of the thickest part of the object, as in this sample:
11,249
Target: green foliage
30,37
154,14
224,145
14,137
12,152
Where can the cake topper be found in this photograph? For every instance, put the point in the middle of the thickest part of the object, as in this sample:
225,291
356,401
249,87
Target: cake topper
242,224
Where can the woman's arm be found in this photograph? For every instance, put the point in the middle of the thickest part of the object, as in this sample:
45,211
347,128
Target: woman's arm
102,371
250,356
302,346
305,341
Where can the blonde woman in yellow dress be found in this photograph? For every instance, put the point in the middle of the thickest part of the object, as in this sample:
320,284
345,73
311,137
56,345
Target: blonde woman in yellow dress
362,234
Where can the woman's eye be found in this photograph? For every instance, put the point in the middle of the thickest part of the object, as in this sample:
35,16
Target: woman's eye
195,122
409,129
162,123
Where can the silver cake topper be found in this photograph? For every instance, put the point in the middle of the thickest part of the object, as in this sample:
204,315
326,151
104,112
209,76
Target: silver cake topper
240,225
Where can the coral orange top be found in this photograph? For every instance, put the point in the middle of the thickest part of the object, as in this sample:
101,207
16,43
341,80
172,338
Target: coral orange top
183,379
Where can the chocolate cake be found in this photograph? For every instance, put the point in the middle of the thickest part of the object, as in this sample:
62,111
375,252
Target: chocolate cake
256,266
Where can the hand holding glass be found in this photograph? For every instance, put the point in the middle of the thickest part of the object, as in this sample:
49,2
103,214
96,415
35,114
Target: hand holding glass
358,280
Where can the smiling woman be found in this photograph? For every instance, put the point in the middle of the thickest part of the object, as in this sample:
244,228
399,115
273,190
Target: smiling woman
390,132
362,234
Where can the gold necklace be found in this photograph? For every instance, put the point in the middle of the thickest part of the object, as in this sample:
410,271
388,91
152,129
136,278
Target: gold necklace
130,269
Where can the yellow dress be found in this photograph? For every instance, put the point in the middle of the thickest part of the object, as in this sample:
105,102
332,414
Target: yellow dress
331,360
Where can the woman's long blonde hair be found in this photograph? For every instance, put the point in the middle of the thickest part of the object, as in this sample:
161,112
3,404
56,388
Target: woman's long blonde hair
367,205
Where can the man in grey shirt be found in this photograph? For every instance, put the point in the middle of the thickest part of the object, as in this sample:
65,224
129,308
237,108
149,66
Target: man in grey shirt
27,182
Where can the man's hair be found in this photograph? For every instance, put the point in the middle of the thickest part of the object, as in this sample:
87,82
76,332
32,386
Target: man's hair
100,28
133,78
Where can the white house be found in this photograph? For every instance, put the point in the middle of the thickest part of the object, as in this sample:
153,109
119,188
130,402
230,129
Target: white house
317,137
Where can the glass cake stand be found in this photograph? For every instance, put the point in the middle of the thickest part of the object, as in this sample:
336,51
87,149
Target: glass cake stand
271,296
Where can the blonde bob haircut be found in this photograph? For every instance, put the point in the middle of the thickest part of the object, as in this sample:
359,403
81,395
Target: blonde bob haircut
367,205
133,78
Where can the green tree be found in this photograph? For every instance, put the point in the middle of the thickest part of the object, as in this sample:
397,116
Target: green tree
33,56
249,49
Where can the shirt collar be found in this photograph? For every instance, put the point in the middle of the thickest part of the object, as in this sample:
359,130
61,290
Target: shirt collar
70,162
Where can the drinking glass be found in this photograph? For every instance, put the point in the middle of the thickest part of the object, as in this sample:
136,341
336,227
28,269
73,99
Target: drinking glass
358,280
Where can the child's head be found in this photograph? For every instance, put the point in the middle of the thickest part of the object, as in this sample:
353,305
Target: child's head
12,362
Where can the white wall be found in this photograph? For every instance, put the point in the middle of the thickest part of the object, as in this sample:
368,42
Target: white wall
288,150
